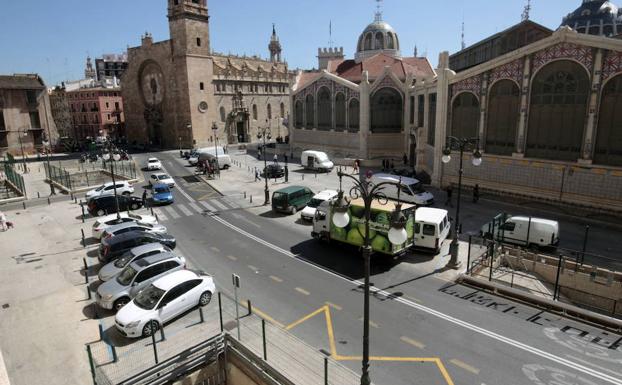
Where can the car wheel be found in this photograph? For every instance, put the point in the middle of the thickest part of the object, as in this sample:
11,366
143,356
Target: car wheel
126,193
101,212
226,167
134,206
205,298
118,304
147,331
292,210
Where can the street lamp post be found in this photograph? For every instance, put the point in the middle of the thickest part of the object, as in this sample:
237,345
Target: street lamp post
214,132
23,132
265,133
113,156
397,236
460,144
47,153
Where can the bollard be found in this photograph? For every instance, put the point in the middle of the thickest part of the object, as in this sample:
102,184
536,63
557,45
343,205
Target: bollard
83,242
38,194
157,219
263,333
316,175
250,307
88,293
24,204
48,200
155,349
325,370
151,210
82,206
201,314
251,199
101,332
91,364
244,194
303,176
162,336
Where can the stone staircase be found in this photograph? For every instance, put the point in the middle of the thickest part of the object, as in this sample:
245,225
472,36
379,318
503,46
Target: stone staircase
7,192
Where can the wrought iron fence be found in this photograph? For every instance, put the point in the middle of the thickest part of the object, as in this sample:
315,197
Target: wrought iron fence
75,177
14,178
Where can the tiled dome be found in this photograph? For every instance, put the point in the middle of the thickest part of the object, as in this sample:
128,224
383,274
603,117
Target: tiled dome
378,37
595,17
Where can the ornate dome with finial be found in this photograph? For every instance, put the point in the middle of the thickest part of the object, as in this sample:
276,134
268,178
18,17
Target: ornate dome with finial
595,17
378,37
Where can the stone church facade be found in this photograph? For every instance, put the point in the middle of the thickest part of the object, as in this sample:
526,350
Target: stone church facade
179,93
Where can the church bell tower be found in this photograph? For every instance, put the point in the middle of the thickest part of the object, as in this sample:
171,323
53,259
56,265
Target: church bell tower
189,27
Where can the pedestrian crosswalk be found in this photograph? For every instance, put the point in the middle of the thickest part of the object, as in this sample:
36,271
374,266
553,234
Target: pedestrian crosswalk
179,210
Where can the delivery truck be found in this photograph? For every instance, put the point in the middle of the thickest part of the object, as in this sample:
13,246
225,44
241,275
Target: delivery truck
354,233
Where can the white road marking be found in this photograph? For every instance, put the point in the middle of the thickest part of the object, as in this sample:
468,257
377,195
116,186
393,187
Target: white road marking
231,202
208,206
448,318
160,214
219,204
191,199
172,212
195,207
185,210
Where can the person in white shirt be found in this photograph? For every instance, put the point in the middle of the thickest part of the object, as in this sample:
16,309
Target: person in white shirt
3,221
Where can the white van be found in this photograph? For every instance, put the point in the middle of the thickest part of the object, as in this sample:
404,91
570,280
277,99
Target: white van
224,160
316,160
412,190
432,227
193,160
524,230
308,212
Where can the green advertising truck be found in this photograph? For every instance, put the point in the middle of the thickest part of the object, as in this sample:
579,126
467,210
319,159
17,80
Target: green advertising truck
354,233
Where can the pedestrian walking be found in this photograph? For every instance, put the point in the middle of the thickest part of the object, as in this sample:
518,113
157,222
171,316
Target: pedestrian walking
285,157
405,159
144,197
355,168
449,191
3,221
259,153
275,158
392,165
476,193
257,175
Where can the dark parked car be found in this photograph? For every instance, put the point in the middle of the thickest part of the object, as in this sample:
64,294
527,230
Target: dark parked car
99,206
274,171
112,248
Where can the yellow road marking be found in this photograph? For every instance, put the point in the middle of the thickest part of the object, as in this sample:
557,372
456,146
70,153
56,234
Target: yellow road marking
336,307
276,279
252,267
231,257
305,318
413,342
263,315
216,249
302,291
464,366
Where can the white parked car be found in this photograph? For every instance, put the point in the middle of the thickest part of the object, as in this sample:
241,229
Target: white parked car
110,220
164,300
153,164
161,178
308,212
109,271
132,226
123,187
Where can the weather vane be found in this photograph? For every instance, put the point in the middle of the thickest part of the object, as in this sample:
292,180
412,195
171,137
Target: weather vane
379,10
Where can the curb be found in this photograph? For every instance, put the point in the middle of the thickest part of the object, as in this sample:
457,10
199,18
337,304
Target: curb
543,303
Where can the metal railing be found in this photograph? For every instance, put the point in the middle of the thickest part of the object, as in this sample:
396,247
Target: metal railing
77,176
14,178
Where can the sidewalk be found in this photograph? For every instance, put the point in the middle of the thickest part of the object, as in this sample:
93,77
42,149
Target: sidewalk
43,327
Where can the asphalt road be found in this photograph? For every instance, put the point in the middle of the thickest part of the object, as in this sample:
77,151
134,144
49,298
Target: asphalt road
424,330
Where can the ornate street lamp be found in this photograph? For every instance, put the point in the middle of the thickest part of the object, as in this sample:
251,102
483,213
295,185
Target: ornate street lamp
113,154
265,133
461,144
23,132
397,236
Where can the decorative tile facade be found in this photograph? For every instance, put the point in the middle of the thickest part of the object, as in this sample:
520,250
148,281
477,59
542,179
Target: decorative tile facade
612,64
512,70
582,54
472,84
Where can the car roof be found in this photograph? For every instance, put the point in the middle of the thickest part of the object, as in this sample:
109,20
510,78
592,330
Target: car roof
152,159
290,189
160,173
126,225
326,194
152,259
129,235
147,248
396,178
160,185
430,214
535,220
173,279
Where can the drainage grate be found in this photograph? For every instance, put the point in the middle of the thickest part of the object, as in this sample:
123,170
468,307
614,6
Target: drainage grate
191,179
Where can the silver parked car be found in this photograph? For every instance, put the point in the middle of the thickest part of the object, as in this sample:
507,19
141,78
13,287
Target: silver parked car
117,292
132,226
110,270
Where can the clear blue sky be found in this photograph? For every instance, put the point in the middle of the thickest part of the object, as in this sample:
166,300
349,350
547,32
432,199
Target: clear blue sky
53,37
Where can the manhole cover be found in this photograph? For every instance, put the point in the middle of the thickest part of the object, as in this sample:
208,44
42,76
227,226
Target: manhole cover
5,306
192,179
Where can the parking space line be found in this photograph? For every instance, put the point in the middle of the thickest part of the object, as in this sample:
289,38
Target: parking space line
231,257
216,249
252,267
412,342
185,210
208,206
302,291
371,323
276,279
464,366
336,307
171,212
219,205
160,215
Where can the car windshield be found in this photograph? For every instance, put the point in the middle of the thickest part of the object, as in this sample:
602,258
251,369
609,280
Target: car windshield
279,197
314,202
161,189
126,276
153,160
417,187
148,298
160,177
